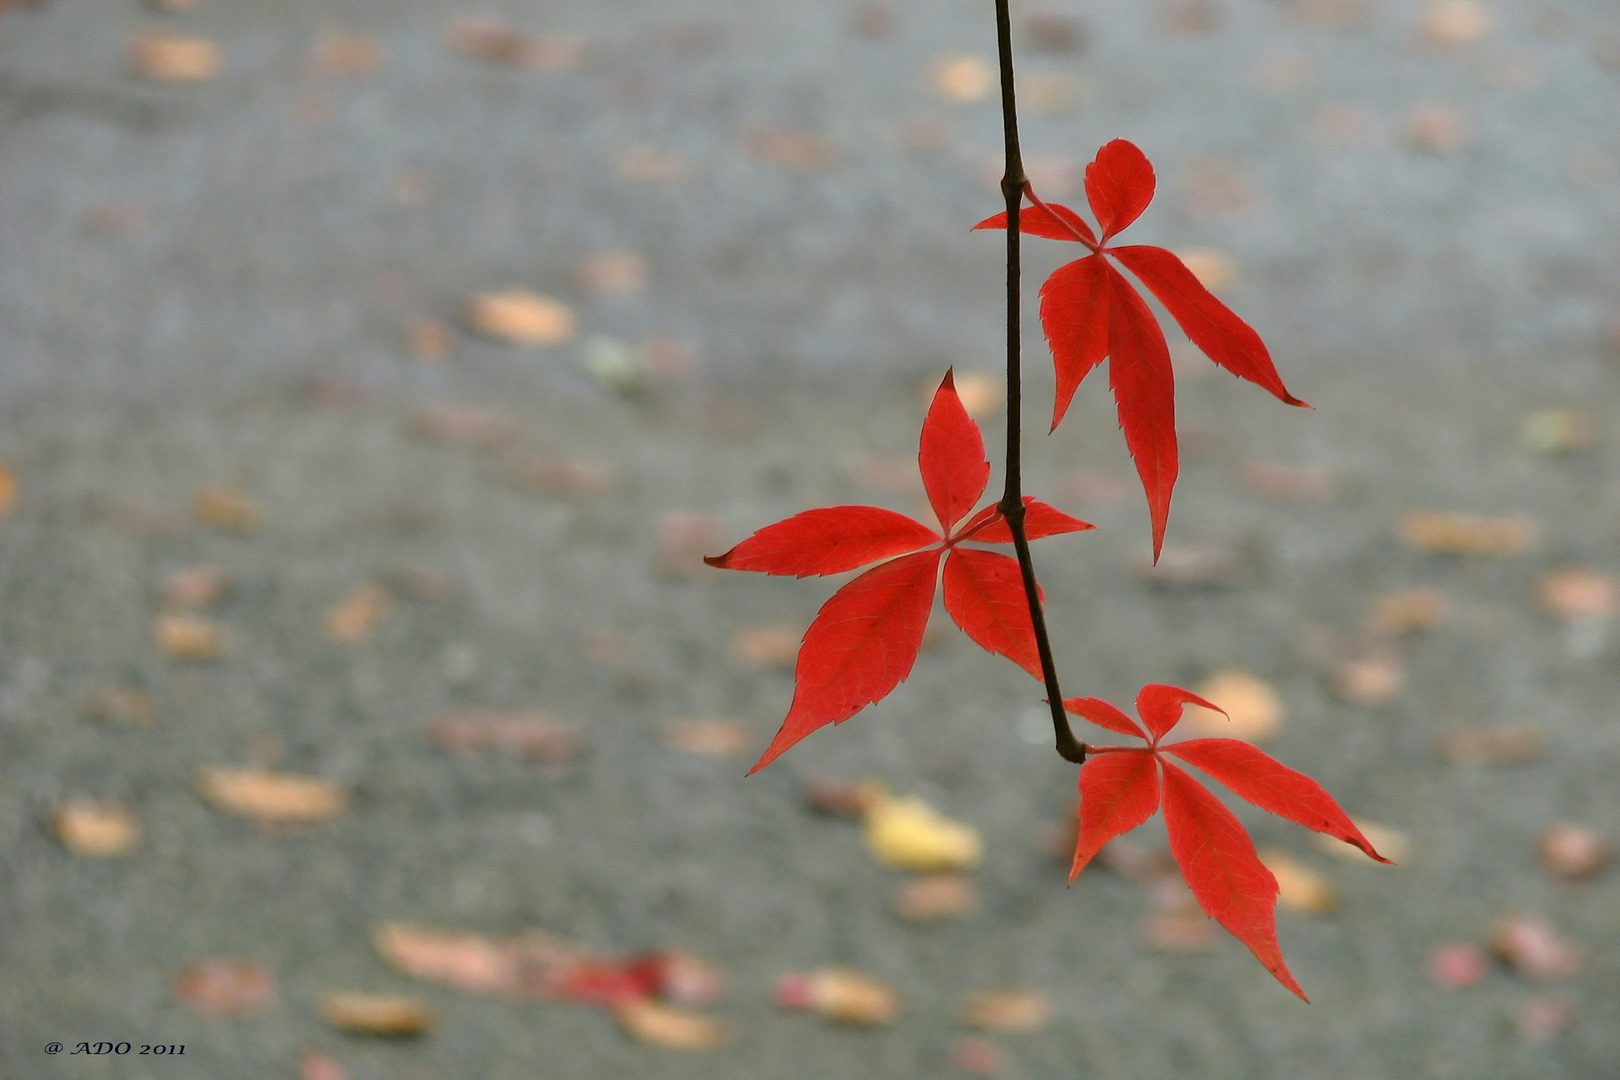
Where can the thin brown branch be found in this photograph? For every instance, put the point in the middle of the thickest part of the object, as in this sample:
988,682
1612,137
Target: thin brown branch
1012,499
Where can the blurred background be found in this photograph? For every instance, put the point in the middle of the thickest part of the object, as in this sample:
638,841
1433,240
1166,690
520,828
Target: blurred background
374,375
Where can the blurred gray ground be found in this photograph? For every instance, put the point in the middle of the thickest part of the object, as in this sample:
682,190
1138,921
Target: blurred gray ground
175,262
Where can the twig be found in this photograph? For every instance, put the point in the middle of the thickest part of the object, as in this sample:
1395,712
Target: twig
1013,183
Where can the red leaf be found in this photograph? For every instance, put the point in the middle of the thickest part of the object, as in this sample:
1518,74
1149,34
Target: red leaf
951,456
1075,315
827,541
1040,520
1219,862
861,645
1104,715
1119,186
598,982
984,593
1118,792
1160,707
1256,776
1144,389
1212,326
1053,221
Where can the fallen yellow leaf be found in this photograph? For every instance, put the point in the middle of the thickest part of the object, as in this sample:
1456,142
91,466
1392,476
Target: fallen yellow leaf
908,834
1256,712
382,1015
521,317
272,798
94,830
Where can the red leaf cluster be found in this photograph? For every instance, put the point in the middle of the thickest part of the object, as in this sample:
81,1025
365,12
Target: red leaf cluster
1122,786
1091,313
864,641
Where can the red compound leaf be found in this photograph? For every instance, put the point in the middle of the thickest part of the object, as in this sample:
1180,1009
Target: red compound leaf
984,594
1051,221
1119,186
1208,323
1159,706
1117,793
1040,520
1104,715
1256,776
827,541
1075,306
862,644
1215,854
951,456
1219,862
1144,391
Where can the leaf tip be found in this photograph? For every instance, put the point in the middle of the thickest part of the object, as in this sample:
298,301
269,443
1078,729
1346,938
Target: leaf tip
719,562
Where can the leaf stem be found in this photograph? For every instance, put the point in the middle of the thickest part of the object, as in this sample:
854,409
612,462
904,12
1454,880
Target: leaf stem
1013,183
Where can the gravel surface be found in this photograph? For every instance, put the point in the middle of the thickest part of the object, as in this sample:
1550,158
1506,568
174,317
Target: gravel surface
226,284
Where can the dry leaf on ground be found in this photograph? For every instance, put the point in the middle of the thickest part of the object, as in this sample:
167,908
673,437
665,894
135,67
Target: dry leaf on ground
1277,482
468,427
8,491
614,272
352,619
841,798
937,897
382,1015
708,738
96,830
684,539
1546,1016
1514,744
1409,612
313,1065
1254,709
1573,852
1456,22
467,962
804,151
1533,948
1468,534
226,986
962,78
567,478
1373,679
668,1027
188,637
1008,1012
497,43
841,995
908,834
226,508
1578,593
1299,888
521,317
1214,269
1456,967
272,798
1556,431
195,587
766,646
1435,128
175,58
127,706
529,734
347,52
